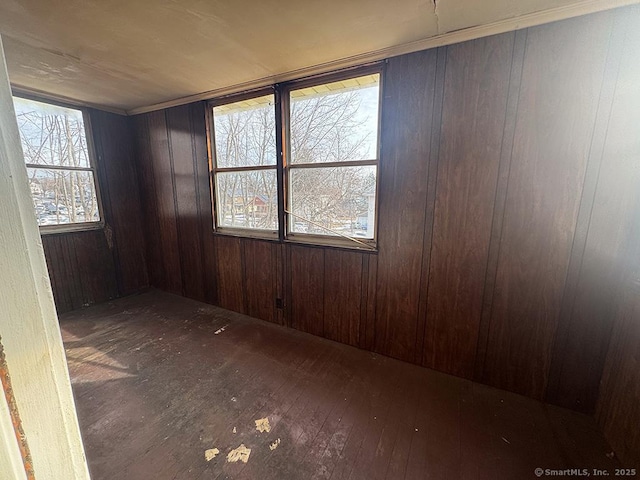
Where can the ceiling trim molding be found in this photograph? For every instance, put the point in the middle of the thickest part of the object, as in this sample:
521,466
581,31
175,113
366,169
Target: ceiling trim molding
471,33
61,99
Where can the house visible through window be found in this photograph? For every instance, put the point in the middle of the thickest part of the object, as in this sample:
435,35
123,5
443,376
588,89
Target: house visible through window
326,163
60,171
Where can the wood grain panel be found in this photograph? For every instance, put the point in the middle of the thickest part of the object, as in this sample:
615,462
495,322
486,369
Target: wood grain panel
475,99
203,195
260,284
121,200
342,296
515,79
562,75
307,289
607,210
618,407
186,201
229,271
164,179
145,165
406,129
81,268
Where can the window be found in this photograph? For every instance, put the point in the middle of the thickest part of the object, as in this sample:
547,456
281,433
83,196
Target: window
320,185
60,171
245,166
333,159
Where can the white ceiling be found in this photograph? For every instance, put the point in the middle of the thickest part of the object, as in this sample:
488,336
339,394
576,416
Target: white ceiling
128,54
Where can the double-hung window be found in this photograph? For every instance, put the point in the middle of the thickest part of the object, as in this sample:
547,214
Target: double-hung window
60,171
306,171
244,164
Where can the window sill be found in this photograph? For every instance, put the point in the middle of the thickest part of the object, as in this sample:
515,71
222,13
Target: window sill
330,242
246,233
70,228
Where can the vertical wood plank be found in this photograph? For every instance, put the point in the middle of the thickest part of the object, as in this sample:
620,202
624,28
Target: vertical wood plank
475,100
186,197
120,192
307,289
342,296
230,273
562,75
506,149
406,129
151,222
607,214
167,236
260,285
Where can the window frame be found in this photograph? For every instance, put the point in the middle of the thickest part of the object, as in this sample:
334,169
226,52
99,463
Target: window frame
91,157
288,167
267,234
283,167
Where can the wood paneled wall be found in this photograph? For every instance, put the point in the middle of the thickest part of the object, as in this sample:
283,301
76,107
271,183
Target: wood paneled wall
97,265
616,212
501,216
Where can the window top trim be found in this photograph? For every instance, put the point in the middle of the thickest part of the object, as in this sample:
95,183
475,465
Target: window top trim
336,76
241,96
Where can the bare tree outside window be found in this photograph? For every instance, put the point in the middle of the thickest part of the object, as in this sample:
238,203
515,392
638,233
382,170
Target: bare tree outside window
246,196
334,152
60,173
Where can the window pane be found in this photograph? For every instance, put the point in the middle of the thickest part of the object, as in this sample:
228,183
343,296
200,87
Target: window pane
63,196
336,121
245,133
341,199
51,135
247,199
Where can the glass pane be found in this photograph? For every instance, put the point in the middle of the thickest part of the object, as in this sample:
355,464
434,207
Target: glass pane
51,135
245,133
63,196
247,199
341,199
336,121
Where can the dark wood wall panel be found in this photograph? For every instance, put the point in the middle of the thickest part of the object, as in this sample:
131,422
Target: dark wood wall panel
260,286
476,87
164,189
118,177
230,272
617,217
94,266
343,284
407,121
562,75
307,289
186,201
504,203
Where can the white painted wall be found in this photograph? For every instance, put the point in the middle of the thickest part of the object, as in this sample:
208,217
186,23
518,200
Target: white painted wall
29,326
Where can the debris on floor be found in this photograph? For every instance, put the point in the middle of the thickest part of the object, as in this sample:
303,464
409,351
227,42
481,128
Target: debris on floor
234,430
241,453
262,425
220,330
274,445
211,454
